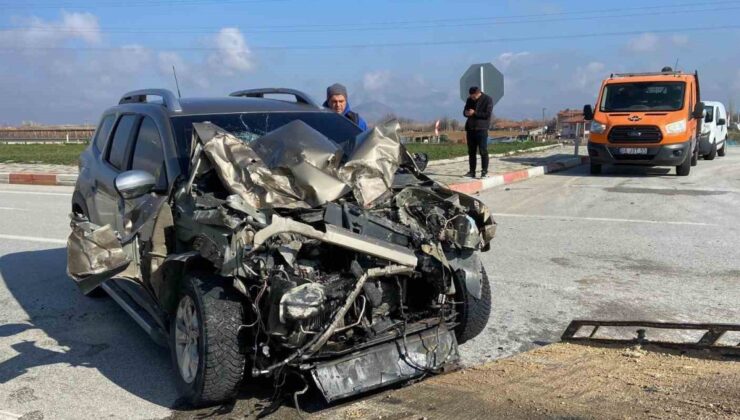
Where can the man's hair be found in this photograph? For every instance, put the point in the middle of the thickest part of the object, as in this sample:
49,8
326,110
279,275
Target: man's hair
473,90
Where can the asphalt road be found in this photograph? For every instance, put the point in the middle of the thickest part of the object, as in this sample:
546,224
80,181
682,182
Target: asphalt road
631,244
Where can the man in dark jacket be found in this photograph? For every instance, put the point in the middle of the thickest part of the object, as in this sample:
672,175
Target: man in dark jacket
336,100
478,110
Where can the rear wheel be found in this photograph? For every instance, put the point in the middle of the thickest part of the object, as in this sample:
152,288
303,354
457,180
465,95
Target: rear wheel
721,151
684,168
595,169
712,152
474,312
204,341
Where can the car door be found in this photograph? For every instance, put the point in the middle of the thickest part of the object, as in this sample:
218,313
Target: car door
115,160
97,252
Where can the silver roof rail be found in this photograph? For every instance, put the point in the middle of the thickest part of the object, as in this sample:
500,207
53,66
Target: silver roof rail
300,97
657,73
139,97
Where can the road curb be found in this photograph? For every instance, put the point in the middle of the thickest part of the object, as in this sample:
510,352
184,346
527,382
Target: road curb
32,178
477,185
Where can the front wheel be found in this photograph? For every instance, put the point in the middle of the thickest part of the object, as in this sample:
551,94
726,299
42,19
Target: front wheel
722,150
595,169
474,312
695,157
712,152
684,168
204,341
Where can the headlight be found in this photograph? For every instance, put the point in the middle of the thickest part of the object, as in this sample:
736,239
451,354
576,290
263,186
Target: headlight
597,127
676,127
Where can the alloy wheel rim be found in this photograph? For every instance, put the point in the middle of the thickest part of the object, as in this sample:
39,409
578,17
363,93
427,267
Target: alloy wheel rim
187,332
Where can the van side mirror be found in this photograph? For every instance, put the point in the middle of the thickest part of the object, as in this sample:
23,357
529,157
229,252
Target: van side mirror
721,121
588,113
135,183
698,111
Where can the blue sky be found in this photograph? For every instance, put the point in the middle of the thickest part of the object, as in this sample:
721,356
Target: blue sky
65,61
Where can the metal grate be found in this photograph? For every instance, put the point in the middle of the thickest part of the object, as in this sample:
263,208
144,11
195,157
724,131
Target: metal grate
635,134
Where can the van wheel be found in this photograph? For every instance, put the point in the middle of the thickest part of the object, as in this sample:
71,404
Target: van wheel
721,150
695,157
595,169
712,152
684,168
204,341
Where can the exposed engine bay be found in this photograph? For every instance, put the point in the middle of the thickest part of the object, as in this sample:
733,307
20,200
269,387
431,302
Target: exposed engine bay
349,262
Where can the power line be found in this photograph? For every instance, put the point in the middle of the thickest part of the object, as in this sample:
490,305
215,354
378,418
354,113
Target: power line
131,4
407,44
396,28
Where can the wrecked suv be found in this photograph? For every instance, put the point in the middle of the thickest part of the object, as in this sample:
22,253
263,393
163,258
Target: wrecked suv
263,237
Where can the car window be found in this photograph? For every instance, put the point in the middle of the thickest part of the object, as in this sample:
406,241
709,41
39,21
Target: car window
101,134
117,153
148,153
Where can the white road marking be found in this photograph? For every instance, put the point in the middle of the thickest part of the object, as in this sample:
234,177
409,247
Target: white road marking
601,219
7,415
34,193
33,239
9,208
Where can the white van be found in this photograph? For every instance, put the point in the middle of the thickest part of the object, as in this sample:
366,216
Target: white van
713,130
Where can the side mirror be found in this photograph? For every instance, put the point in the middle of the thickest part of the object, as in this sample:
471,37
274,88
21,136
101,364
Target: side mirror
698,111
588,113
134,184
721,121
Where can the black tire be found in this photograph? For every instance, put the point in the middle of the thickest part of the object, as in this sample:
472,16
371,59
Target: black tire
712,152
595,169
695,157
684,168
722,150
221,363
474,312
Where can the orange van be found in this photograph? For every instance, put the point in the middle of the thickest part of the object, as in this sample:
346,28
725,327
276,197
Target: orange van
650,119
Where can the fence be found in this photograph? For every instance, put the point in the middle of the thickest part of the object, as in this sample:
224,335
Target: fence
46,135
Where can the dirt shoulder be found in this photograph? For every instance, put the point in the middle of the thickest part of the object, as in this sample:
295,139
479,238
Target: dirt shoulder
569,381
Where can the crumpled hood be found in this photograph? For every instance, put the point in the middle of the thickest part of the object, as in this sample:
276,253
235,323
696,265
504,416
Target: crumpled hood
296,166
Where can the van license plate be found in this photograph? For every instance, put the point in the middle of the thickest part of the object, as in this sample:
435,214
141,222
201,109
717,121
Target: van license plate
633,150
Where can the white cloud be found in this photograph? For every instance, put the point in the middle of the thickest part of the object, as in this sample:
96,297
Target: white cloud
376,80
587,77
186,74
40,33
504,60
680,40
232,54
647,42
82,25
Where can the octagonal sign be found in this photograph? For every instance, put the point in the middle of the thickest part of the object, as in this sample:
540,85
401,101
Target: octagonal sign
485,76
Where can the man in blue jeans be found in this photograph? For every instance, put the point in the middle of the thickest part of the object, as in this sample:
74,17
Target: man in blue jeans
478,110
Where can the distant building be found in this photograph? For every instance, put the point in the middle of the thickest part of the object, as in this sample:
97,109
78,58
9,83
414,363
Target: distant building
570,123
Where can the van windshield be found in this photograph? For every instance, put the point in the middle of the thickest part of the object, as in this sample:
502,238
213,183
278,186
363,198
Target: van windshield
643,96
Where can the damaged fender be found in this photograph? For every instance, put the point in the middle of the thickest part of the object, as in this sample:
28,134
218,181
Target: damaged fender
94,254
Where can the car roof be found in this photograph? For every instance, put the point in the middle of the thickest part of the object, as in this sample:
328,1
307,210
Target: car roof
223,105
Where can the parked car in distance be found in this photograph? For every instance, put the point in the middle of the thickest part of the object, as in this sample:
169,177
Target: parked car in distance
713,130
650,119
